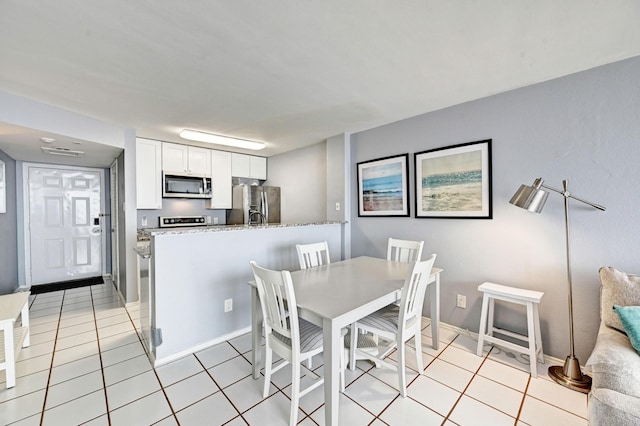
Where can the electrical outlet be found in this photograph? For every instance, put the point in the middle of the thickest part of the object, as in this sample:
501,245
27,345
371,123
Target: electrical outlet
144,221
337,206
215,220
228,305
461,301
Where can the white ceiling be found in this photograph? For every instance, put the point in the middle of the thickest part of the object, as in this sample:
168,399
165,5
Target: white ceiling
290,72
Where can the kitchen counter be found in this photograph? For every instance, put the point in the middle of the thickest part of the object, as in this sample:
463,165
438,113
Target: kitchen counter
224,228
143,248
195,272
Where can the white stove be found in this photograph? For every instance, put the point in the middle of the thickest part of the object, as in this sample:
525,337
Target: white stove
178,221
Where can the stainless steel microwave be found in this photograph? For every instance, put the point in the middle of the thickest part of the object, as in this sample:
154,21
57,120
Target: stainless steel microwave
176,185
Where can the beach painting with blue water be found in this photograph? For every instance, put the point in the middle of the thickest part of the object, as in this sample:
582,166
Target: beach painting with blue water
454,183
383,187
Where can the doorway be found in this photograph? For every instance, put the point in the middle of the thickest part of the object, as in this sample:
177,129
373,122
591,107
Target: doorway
115,245
64,225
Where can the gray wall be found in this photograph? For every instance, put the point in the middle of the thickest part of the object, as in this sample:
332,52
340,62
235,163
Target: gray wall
585,128
301,174
8,230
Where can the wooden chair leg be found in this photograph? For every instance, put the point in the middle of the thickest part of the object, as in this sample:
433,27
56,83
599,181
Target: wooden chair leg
418,341
267,371
352,347
402,380
295,393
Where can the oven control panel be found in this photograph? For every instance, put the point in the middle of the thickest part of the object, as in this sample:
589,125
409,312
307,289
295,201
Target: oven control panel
176,221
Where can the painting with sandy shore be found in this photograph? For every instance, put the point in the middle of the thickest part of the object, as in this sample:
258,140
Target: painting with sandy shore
383,187
454,182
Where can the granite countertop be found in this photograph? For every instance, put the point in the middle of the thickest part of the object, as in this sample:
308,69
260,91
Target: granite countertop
148,232
143,248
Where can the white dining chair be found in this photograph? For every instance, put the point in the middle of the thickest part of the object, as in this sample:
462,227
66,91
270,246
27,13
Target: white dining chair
312,255
398,323
292,338
404,250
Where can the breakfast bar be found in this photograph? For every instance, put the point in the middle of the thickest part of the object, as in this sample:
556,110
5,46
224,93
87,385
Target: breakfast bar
194,294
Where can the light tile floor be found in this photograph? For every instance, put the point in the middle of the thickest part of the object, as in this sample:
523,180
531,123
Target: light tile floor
86,365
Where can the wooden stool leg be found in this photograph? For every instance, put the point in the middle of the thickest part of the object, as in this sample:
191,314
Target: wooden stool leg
536,319
483,324
531,335
491,302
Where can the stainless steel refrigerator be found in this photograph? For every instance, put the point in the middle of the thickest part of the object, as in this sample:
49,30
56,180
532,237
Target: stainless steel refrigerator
254,205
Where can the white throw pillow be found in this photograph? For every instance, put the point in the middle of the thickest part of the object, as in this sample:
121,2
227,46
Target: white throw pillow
618,288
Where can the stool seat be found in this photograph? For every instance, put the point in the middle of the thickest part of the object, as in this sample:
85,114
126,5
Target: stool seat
530,299
511,292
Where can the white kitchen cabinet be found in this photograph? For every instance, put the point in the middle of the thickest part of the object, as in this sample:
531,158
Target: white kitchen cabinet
220,180
186,159
199,161
248,166
148,174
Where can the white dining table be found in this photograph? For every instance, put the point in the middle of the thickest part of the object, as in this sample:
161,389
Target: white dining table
336,295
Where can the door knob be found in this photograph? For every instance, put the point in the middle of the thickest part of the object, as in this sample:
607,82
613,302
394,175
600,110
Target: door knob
96,230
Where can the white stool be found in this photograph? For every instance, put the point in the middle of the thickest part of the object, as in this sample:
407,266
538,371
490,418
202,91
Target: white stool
530,299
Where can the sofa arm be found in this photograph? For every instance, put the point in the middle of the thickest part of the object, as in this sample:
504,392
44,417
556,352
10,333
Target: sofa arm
610,408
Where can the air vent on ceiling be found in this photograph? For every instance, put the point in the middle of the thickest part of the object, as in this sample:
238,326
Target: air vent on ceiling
59,150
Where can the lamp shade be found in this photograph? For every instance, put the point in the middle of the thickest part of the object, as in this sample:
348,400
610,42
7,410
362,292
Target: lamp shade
530,198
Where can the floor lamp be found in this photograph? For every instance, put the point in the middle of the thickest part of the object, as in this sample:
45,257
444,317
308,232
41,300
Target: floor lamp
532,198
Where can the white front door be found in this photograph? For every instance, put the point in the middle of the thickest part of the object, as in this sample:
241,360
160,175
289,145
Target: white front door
64,224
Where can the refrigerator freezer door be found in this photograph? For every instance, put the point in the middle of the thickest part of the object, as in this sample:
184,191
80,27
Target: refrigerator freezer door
238,214
272,198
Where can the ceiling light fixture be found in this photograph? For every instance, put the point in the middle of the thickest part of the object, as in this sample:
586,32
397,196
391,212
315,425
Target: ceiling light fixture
58,150
220,140
47,140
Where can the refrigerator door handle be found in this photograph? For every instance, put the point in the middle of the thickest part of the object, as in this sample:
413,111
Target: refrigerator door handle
265,208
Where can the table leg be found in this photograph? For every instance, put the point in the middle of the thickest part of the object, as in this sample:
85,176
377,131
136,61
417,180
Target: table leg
331,342
256,332
434,296
25,324
9,355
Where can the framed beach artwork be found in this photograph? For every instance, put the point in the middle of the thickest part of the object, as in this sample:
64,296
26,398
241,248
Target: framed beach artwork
454,182
383,186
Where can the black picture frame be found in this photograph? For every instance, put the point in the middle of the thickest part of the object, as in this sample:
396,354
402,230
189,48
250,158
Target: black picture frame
383,187
454,182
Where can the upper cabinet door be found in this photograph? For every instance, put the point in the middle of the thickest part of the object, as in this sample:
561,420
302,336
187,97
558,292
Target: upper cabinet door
258,167
175,158
186,159
220,180
148,174
240,165
199,161
248,166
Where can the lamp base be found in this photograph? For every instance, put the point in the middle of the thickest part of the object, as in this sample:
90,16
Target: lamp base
570,375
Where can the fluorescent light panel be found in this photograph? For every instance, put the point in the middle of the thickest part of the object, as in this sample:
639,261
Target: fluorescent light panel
220,140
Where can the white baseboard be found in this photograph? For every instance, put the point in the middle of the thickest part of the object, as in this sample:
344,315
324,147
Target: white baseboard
548,360
162,361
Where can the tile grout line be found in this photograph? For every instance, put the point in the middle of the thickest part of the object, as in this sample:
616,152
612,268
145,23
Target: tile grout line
135,329
53,354
467,386
524,397
222,390
104,382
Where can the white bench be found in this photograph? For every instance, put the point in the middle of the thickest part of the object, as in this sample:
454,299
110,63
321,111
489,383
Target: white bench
13,338
530,299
